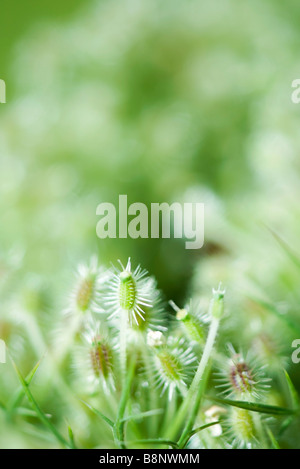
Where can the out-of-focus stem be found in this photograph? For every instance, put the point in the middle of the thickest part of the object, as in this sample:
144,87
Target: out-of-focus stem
123,346
190,406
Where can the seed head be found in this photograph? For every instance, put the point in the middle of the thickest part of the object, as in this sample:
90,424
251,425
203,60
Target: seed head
130,293
242,377
242,429
96,357
173,364
86,294
192,321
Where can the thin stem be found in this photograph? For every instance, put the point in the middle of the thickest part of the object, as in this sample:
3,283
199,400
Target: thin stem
123,345
171,405
206,353
120,422
152,394
193,414
197,430
195,389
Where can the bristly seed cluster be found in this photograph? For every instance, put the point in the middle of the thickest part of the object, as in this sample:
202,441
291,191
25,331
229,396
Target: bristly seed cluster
123,316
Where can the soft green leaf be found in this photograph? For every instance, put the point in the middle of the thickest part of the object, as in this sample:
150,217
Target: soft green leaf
274,442
197,430
99,414
254,407
17,397
42,416
156,441
71,437
142,415
293,393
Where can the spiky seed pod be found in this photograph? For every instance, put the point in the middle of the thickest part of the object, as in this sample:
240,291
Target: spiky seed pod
242,429
95,359
193,323
242,377
154,320
127,290
174,363
101,358
86,294
130,293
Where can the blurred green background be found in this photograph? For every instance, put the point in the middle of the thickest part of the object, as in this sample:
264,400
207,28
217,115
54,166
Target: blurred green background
164,101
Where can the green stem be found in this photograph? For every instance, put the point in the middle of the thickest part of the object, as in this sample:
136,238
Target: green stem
197,430
120,422
212,334
152,393
169,413
195,389
193,414
123,345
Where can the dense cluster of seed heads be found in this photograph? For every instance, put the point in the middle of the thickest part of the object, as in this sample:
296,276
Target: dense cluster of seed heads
132,295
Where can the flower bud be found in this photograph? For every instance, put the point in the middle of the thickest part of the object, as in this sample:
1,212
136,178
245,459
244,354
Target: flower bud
217,303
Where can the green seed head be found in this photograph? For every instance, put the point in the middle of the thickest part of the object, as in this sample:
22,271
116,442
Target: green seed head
170,366
241,378
85,293
101,358
127,291
242,426
192,326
